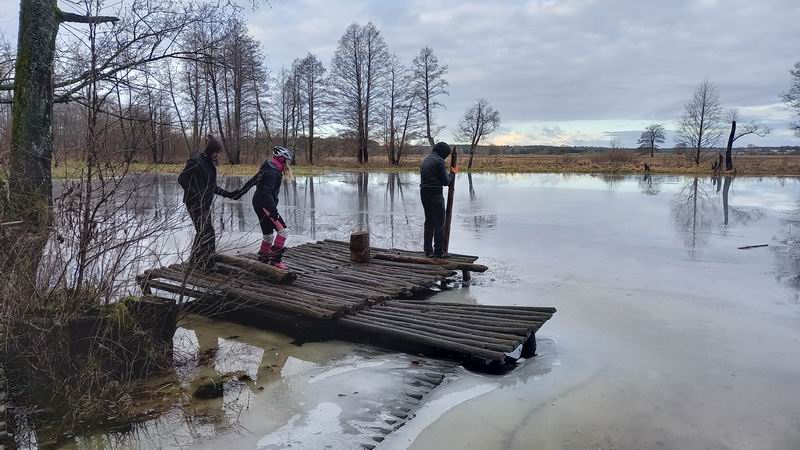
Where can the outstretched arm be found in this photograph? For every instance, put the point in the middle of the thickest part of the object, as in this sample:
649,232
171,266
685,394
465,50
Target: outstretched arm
247,186
224,193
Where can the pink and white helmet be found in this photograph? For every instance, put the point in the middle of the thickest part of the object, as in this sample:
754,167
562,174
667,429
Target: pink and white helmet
283,151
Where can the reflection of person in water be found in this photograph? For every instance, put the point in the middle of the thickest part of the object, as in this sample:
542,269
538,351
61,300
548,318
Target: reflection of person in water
649,185
433,177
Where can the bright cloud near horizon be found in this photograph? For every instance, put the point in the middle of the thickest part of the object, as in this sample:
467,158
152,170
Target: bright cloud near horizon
569,72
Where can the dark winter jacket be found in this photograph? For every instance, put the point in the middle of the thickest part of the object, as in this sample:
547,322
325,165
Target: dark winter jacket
433,170
267,181
199,182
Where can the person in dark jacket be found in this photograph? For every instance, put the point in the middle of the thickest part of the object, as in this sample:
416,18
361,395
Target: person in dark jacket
433,177
265,203
199,182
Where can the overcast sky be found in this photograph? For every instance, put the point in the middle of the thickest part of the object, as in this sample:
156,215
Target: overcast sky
571,72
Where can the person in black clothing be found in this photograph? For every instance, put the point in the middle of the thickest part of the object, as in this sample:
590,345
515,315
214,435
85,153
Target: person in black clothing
199,182
265,203
434,176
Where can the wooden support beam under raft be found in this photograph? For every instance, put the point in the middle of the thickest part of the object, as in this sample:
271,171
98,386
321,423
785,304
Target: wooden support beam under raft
377,301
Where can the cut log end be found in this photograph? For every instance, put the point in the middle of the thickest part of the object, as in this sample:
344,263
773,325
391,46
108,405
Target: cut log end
359,247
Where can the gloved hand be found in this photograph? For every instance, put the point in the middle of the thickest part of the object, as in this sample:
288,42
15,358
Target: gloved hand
454,169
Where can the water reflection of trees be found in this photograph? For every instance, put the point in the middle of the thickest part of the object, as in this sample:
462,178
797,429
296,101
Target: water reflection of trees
787,256
393,194
610,179
694,213
478,223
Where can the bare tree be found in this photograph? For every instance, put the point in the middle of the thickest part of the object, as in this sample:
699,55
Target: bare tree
751,127
700,126
652,136
297,105
312,85
241,59
792,97
283,101
32,133
614,143
261,96
358,71
430,82
400,114
480,120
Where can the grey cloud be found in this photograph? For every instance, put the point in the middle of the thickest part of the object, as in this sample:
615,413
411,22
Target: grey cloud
550,60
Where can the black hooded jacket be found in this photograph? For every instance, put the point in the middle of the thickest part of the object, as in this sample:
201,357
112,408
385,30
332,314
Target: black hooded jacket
267,181
433,170
199,182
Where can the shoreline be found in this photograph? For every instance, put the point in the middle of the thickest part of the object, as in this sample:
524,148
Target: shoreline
599,163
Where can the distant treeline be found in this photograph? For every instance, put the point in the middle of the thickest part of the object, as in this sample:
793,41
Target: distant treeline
562,149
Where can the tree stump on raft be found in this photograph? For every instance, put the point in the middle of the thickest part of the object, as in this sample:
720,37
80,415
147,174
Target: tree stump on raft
359,247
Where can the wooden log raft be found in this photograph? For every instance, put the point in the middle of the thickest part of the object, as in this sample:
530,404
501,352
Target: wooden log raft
490,338
365,301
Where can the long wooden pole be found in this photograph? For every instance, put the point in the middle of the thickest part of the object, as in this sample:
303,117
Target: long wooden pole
451,188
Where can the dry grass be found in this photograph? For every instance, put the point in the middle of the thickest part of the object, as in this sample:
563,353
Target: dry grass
615,161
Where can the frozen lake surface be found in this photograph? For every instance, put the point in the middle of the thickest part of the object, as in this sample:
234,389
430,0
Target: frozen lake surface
667,335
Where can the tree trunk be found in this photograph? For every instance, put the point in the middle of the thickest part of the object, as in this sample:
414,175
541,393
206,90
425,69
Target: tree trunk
311,126
726,187
729,150
471,155
234,153
30,185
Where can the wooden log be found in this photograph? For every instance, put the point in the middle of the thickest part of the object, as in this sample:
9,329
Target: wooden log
264,270
543,309
520,332
473,332
176,289
481,342
454,256
287,304
445,263
359,247
409,267
422,338
283,293
451,188
483,314
475,319
748,247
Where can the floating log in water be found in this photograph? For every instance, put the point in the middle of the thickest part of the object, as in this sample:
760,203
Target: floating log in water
747,247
